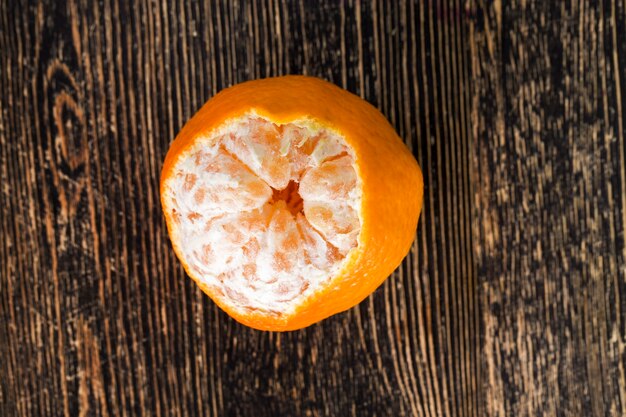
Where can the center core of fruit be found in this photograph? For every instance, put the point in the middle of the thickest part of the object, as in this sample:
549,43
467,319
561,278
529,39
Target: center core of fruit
264,214
290,196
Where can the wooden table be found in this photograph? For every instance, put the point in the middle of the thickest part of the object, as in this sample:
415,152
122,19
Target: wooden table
512,301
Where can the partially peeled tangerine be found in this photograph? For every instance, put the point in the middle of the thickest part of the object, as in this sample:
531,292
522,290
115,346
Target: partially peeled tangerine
268,202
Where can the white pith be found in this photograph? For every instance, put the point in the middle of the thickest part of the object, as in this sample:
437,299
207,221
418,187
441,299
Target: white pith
241,240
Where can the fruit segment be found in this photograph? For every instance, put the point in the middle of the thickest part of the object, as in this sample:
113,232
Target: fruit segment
337,223
258,146
328,204
267,212
317,251
213,183
332,181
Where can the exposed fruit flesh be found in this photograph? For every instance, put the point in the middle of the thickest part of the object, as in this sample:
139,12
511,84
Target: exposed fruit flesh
263,213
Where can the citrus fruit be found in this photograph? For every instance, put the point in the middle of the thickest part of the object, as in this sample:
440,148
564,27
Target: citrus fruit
288,200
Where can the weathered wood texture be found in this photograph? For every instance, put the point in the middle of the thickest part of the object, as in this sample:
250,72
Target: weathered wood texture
550,206
511,302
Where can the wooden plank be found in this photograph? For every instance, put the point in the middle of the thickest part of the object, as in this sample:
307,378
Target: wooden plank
549,154
98,316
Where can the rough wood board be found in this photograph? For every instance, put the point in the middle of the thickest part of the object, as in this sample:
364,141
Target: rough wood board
550,197
511,302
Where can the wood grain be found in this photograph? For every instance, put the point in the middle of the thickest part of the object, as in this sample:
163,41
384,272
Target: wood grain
510,303
548,123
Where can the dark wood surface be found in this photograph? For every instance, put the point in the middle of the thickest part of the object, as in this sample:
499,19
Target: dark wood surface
512,301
